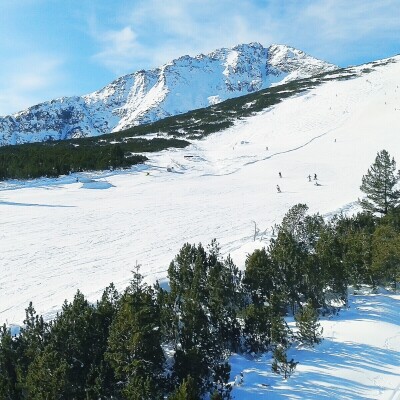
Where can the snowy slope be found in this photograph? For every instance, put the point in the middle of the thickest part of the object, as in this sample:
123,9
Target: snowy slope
359,358
184,84
59,235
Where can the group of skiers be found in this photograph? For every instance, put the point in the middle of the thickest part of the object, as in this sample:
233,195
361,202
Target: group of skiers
309,180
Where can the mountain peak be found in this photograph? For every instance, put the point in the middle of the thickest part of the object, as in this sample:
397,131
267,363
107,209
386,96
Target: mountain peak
184,84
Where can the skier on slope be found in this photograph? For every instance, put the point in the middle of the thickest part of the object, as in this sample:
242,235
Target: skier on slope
309,178
315,177
280,174
278,188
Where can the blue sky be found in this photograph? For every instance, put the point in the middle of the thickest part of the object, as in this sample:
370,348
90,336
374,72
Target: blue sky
53,48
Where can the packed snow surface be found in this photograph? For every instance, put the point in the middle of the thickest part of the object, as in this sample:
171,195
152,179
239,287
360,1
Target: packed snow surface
58,236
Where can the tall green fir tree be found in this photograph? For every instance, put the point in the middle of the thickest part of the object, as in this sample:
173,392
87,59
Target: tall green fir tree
8,365
134,344
309,328
280,363
379,185
187,390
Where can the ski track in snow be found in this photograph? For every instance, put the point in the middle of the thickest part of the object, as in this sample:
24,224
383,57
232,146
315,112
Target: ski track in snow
58,237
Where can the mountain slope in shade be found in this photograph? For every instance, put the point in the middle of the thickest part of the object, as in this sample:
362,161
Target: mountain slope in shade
184,84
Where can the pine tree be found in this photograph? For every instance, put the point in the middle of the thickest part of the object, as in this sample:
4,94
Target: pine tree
101,382
203,294
385,266
8,366
259,276
333,276
309,328
289,259
281,334
47,376
379,185
134,344
187,390
257,328
224,300
73,335
280,363
33,337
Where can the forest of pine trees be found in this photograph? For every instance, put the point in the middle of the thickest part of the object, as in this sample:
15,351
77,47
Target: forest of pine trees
150,342
153,343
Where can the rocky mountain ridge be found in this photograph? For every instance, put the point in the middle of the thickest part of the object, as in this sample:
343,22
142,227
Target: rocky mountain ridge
184,84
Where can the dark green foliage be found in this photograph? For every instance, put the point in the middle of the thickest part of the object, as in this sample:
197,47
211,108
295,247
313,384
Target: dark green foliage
140,388
134,344
289,258
187,390
385,264
379,185
259,278
33,338
305,229
280,332
8,366
257,328
309,329
47,376
62,157
328,255
204,296
280,363
392,218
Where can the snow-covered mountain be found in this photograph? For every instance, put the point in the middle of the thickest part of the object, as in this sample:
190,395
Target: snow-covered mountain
184,84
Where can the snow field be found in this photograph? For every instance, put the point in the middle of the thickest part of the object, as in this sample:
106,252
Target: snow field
57,238
358,359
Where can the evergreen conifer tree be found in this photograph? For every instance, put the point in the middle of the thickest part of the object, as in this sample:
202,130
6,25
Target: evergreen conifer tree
280,332
379,185
134,345
385,266
202,298
309,328
8,366
257,328
259,278
280,363
187,390
73,335
47,376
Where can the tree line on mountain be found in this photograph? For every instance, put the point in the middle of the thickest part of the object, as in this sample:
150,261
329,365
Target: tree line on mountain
151,342
52,159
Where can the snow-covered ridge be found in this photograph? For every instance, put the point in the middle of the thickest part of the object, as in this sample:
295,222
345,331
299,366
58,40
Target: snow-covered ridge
181,85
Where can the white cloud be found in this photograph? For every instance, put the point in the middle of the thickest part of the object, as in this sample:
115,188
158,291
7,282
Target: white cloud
157,31
29,80
119,48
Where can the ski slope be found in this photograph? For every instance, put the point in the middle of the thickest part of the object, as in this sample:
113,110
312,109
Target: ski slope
59,235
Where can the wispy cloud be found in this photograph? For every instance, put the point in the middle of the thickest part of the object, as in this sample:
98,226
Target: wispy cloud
29,80
119,48
155,31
